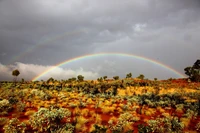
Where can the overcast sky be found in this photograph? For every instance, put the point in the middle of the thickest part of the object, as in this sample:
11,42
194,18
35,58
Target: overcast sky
37,34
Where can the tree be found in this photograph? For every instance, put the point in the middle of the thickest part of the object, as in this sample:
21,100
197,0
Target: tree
73,78
116,77
15,73
22,80
129,75
193,72
50,80
105,77
100,79
80,78
141,76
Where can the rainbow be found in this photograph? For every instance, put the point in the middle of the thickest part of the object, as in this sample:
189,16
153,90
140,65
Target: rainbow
45,42
106,54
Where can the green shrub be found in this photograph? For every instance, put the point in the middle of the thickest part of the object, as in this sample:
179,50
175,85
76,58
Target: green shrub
144,129
49,119
14,126
99,129
176,125
3,121
20,106
5,106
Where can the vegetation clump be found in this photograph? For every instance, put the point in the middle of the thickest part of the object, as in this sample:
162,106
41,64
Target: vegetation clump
15,126
49,119
5,106
117,105
194,71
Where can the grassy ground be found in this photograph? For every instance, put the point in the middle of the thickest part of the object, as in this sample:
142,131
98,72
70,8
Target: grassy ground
133,109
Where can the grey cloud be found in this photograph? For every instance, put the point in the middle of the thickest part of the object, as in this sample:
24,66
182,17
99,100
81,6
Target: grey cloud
48,32
30,71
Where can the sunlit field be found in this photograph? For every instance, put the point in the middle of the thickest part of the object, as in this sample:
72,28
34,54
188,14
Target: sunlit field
104,105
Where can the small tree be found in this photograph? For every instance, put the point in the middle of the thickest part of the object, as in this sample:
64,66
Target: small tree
80,78
15,73
105,77
141,76
194,71
22,80
129,75
116,77
50,80
73,78
100,79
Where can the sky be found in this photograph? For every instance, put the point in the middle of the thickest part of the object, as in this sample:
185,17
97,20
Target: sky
35,35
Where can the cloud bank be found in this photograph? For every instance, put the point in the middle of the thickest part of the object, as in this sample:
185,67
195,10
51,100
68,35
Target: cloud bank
30,71
46,32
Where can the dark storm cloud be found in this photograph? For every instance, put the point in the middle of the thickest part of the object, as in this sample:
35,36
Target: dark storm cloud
49,32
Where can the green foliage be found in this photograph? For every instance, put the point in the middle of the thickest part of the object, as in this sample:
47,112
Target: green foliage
68,89
73,78
190,114
125,118
49,119
50,80
80,78
15,72
12,100
176,125
116,77
5,106
20,106
129,75
3,121
14,126
105,77
99,129
100,79
161,125
22,80
141,76
144,129
115,90
43,95
69,127
193,72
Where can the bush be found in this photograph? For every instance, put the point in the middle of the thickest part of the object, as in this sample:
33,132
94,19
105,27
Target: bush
99,129
68,89
144,129
5,106
14,126
20,106
123,120
13,100
49,119
3,121
176,125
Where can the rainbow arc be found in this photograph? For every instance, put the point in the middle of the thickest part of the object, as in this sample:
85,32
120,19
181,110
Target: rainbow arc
110,54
